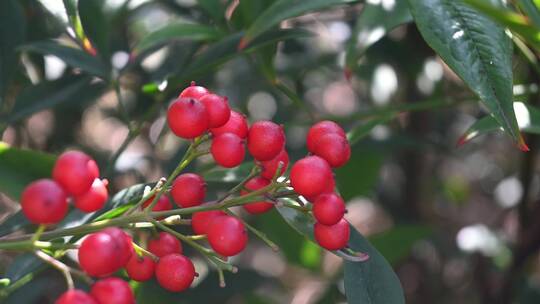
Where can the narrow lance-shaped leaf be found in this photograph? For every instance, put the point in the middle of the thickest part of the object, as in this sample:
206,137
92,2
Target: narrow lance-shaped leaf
96,25
531,10
285,9
477,49
528,118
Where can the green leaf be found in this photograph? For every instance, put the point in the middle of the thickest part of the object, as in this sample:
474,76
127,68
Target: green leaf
396,243
228,175
477,49
46,95
122,201
14,222
12,34
361,131
285,9
531,10
528,118
177,31
372,281
374,22
365,160
96,25
71,56
214,8
19,167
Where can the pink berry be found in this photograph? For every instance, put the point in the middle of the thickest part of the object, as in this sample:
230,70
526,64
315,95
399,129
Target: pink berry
98,255
75,296
93,199
328,208
163,203
187,118
269,167
164,244
201,221
112,291
140,269
236,124
265,140
188,190
44,202
175,272
310,176
253,184
228,150
227,236
332,237
319,129
334,149
194,91
217,108
75,172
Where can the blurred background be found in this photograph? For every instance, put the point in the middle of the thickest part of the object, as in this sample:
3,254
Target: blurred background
445,217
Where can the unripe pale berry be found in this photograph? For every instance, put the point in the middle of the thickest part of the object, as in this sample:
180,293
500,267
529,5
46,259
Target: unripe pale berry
265,140
328,208
253,184
124,244
164,244
187,118
75,296
175,272
310,176
217,108
140,268
227,236
334,148
236,124
163,203
44,202
269,167
332,237
98,255
194,91
93,199
188,190
201,221
75,172
319,129
112,291
228,150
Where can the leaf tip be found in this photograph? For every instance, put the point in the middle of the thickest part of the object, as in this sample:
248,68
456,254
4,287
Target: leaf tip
462,140
522,145
243,43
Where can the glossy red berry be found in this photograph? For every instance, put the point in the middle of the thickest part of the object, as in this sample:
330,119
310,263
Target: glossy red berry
310,176
187,118
188,190
175,272
330,187
201,221
44,202
332,237
236,124
265,140
253,184
217,108
99,255
228,150
328,208
334,148
124,245
140,268
164,244
93,199
319,129
269,167
75,296
75,172
163,203
227,236
112,291
194,91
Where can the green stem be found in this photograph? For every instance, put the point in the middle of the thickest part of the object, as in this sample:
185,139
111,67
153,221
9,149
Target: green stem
142,251
257,232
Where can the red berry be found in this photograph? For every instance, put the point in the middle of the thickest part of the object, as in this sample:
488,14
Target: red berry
112,291
44,202
75,296
163,203
310,176
330,187
75,172
265,140
328,208
334,149
164,244
253,184
236,124
269,167
227,236
188,190
93,199
187,118
217,108
140,269
124,244
319,129
194,91
332,237
99,255
201,221
228,150
175,272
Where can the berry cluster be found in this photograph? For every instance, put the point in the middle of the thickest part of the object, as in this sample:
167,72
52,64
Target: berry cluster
198,115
